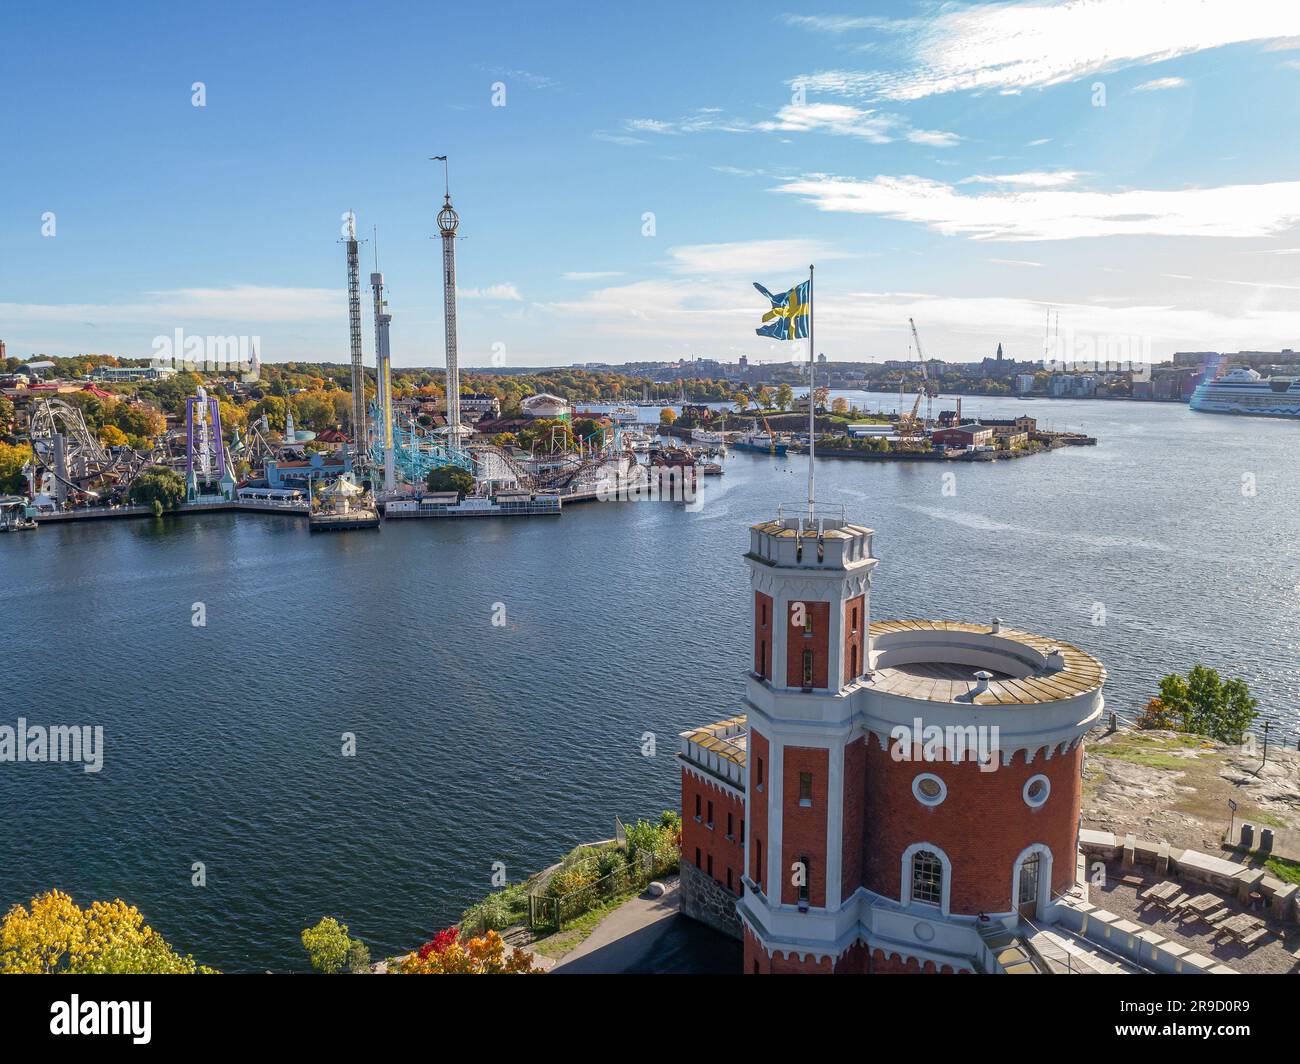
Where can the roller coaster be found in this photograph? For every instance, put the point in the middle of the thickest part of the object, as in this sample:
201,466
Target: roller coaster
70,460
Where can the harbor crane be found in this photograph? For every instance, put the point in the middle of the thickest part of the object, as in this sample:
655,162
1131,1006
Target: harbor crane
926,387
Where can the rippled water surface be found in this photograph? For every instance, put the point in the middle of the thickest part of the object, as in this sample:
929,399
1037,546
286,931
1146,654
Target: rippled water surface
478,743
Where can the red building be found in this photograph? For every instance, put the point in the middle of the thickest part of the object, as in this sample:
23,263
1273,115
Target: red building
962,436
897,793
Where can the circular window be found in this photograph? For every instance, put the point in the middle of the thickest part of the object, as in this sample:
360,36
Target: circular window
929,789
1037,788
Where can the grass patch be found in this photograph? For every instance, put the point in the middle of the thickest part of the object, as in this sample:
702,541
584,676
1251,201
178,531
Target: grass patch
580,927
1286,871
1147,758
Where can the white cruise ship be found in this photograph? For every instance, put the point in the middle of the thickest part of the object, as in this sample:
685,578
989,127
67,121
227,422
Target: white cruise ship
1243,391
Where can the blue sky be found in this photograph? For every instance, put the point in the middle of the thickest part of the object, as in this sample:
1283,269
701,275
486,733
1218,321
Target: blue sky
947,162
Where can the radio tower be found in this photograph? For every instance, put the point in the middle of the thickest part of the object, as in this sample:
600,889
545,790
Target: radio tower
358,371
385,382
448,220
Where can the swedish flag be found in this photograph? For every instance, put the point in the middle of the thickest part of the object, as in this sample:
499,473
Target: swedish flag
788,318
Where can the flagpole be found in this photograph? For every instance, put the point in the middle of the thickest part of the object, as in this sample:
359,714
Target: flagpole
812,415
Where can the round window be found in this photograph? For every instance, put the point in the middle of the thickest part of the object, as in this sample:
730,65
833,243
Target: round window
929,789
1037,788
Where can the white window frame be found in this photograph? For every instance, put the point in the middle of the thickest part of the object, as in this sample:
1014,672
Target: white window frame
1044,874
925,799
1047,793
905,885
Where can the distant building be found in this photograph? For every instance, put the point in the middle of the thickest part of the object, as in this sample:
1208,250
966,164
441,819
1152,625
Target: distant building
962,436
118,374
546,405
333,440
1024,383
298,473
480,405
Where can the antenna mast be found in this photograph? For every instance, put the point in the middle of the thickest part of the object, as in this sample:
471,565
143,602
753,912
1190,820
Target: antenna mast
354,320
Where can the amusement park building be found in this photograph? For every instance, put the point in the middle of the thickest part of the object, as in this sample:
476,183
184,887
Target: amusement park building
894,790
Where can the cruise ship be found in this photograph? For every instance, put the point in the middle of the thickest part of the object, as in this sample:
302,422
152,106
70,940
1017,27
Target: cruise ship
1243,391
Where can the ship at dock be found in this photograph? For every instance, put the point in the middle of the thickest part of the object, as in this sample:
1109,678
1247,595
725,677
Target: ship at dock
759,443
1243,391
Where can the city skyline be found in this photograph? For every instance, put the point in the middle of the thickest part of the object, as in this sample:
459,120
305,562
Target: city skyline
966,165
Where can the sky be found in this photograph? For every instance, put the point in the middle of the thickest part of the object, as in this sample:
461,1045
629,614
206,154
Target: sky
625,173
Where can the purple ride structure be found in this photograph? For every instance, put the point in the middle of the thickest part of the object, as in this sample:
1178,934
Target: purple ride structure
208,468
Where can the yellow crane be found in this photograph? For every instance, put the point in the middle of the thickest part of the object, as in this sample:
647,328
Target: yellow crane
771,436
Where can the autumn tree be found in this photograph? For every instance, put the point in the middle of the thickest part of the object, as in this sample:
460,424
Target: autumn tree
109,938
445,954
667,416
332,949
13,457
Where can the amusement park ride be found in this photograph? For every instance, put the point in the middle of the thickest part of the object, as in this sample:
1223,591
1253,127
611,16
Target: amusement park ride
391,453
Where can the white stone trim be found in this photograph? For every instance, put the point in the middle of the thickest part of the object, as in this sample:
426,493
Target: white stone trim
1044,875
921,797
905,878
1024,791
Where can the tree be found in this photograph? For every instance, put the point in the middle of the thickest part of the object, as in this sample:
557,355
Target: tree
450,478
161,486
784,396
6,413
55,936
1208,705
666,416
13,457
1157,716
446,955
112,436
332,949
840,406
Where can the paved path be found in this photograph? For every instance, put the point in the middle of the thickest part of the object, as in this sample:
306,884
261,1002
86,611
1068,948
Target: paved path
625,936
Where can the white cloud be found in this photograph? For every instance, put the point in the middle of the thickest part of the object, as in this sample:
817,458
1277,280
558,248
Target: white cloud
835,118
1227,211
750,256
1015,262
236,304
494,291
1160,84
1028,179
1008,47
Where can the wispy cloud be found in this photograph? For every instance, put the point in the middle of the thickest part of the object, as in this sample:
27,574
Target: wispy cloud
237,304
505,291
750,256
1160,84
590,275
1015,262
1057,214
837,119
1009,47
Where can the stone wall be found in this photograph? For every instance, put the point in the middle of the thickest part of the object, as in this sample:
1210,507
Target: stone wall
708,901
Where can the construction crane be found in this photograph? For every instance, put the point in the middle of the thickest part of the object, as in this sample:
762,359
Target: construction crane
926,387
771,436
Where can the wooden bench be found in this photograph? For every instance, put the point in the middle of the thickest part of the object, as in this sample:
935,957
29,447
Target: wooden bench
1253,937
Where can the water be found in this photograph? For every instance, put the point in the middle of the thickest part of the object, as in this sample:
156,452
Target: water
477,743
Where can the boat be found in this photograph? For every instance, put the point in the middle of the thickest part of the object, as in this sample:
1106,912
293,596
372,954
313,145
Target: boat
705,436
636,441
624,415
760,443
1244,391
15,514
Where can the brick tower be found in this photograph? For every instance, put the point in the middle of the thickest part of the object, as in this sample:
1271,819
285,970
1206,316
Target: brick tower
895,791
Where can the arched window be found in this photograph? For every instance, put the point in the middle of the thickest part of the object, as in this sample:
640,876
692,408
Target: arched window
1031,877
927,877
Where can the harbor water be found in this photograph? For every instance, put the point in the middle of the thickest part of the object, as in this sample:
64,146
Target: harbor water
502,677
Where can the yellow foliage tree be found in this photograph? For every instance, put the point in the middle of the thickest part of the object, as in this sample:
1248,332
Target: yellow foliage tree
478,956
57,936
